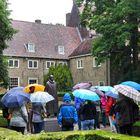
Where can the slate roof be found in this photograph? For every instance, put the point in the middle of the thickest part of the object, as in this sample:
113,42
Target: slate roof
46,38
83,49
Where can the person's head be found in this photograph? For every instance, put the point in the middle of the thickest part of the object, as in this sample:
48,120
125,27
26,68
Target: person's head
51,77
67,97
32,88
89,102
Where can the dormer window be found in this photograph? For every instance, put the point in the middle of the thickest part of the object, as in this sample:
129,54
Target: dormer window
61,49
30,47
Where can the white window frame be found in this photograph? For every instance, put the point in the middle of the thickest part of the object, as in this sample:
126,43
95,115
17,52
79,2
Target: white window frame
31,47
80,64
32,78
52,63
33,64
95,64
61,50
11,86
63,63
13,63
100,84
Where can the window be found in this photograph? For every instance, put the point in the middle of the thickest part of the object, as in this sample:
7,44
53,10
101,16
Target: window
13,63
49,64
62,63
30,47
32,64
61,49
80,63
14,82
95,64
32,80
101,83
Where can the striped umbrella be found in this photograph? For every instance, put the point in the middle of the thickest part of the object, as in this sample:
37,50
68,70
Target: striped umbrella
128,91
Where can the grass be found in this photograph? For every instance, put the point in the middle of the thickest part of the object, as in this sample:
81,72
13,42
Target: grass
3,121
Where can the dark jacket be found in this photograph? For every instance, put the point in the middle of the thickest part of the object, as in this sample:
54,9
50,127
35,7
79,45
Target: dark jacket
128,111
87,111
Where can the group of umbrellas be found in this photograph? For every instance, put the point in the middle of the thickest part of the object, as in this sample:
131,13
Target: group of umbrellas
18,96
88,92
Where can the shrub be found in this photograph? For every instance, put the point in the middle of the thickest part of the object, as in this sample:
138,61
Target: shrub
6,134
62,76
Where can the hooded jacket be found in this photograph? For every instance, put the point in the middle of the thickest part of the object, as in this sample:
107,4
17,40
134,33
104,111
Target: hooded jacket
67,110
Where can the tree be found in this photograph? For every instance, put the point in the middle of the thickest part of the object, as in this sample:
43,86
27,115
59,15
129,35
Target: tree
116,22
6,33
62,76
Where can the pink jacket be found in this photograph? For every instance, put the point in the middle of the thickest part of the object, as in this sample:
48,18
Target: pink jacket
103,102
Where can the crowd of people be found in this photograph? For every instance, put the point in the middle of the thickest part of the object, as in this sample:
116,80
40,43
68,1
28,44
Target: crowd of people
119,113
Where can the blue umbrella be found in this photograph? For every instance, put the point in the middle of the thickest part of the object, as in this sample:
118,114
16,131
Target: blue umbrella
104,88
15,97
131,84
99,92
86,94
112,93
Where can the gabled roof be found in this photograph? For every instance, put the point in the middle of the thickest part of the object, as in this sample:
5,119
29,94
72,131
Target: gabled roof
83,49
46,38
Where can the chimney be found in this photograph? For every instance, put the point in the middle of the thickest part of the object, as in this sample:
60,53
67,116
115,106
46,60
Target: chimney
38,21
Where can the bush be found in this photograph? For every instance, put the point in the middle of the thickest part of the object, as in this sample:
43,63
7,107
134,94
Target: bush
6,134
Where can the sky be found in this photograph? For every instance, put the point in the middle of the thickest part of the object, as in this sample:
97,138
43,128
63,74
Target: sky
48,11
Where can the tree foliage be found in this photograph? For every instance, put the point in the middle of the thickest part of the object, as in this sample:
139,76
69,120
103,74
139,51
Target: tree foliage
116,23
6,33
62,76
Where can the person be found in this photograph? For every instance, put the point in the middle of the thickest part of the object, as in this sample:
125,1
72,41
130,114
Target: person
103,109
67,115
128,114
52,107
88,112
19,118
29,111
97,117
109,105
78,102
6,115
38,110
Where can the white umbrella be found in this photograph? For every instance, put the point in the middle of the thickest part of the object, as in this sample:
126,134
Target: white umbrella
41,97
128,91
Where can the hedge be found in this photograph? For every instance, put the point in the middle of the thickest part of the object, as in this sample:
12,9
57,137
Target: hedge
6,134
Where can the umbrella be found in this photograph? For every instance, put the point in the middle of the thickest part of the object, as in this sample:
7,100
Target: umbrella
38,87
128,91
41,97
86,94
15,97
131,84
82,86
99,92
104,88
112,93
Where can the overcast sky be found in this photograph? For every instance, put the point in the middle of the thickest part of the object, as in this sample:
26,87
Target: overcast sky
48,11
